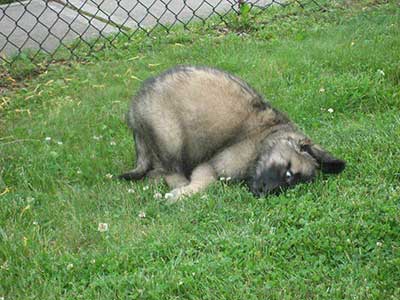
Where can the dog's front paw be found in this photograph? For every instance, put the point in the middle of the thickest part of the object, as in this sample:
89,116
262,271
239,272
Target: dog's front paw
175,195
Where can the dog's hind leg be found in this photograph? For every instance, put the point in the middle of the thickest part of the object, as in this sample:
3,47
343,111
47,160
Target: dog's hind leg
143,161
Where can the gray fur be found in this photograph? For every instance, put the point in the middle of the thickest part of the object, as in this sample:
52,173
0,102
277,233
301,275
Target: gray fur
193,125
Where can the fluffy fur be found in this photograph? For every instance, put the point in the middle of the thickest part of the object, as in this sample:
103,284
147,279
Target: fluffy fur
192,125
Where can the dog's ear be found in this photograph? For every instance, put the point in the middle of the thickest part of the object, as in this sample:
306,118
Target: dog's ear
326,161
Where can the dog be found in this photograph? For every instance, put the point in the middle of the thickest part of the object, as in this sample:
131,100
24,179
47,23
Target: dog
193,125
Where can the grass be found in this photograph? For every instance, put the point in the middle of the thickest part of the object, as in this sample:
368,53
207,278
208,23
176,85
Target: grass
62,133
7,1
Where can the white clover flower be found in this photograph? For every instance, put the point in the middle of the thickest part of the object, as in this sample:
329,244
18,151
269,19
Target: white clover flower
222,178
168,195
322,90
35,223
4,266
228,178
142,215
380,72
112,143
97,137
330,110
158,195
145,188
379,244
93,261
109,176
59,143
30,199
79,172
103,227
70,266
47,139
131,191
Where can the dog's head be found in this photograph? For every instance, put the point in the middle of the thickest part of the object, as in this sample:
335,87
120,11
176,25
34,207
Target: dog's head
287,161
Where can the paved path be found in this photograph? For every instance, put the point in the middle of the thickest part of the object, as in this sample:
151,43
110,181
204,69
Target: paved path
39,24
44,24
146,13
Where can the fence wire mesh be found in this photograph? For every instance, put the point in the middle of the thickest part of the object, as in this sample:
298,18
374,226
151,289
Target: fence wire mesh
35,27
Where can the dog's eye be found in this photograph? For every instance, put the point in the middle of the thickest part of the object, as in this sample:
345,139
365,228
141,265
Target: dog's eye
288,175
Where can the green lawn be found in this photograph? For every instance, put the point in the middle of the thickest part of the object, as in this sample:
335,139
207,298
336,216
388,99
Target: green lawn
62,133
7,1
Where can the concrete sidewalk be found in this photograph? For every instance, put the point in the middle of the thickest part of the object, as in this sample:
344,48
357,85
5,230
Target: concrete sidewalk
41,24
147,13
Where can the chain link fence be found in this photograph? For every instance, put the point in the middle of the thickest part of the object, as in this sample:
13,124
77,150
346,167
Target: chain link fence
37,27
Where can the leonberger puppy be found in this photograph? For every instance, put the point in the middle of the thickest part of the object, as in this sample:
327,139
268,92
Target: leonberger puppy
193,125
